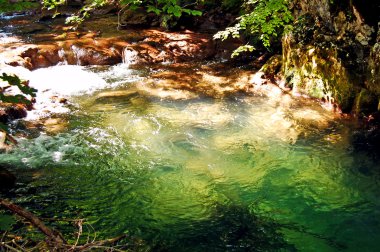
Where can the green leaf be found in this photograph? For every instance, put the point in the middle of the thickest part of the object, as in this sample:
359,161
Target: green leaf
152,8
196,13
177,11
14,80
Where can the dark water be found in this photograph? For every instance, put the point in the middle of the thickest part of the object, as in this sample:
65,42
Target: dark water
239,174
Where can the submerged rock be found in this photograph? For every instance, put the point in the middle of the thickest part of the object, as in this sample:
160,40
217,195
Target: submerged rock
119,94
7,179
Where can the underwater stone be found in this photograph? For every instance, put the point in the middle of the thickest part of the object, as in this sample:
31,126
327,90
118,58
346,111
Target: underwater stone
7,179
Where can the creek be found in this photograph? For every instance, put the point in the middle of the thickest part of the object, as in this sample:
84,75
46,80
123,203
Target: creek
234,174
143,152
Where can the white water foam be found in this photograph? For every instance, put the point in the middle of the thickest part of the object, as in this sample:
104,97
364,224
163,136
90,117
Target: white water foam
66,80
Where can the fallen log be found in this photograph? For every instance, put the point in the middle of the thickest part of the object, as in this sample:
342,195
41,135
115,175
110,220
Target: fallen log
55,238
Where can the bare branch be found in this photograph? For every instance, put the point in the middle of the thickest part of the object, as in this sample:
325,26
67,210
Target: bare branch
53,235
100,243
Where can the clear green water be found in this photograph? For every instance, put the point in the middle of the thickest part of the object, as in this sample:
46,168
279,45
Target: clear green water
241,174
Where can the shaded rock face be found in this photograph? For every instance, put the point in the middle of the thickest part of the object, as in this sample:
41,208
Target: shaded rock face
373,83
330,53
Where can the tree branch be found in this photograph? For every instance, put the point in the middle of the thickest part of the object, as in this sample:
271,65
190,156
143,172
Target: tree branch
53,235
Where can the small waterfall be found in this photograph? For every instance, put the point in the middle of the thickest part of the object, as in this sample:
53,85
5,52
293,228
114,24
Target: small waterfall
129,56
79,54
62,56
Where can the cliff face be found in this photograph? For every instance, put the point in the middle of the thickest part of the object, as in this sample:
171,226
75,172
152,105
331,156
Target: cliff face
333,53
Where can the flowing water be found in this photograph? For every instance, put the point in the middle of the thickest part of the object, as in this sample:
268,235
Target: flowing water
247,173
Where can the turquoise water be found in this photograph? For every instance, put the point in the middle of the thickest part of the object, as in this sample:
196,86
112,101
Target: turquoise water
247,173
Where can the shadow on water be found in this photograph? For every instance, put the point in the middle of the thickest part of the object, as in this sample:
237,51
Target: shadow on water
229,228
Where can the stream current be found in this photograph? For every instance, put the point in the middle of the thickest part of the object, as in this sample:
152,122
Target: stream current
246,173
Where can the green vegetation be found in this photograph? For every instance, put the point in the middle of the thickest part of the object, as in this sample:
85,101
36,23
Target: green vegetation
168,10
263,19
6,6
15,81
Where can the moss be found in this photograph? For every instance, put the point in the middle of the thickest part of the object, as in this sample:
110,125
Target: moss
317,72
6,6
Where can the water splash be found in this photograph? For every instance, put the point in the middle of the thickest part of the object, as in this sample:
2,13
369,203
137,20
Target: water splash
79,54
62,56
66,80
129,56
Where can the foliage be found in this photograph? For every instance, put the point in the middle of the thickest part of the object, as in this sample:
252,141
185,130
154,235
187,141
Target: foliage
6,6
231,5
163,7
13,80
84,12
265,19
52,4
168,10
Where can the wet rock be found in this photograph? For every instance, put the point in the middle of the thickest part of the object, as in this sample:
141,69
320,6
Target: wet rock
100,46
31,28
10,112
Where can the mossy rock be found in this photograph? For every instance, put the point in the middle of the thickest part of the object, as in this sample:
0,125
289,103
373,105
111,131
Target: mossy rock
272,66
317,72
373,83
